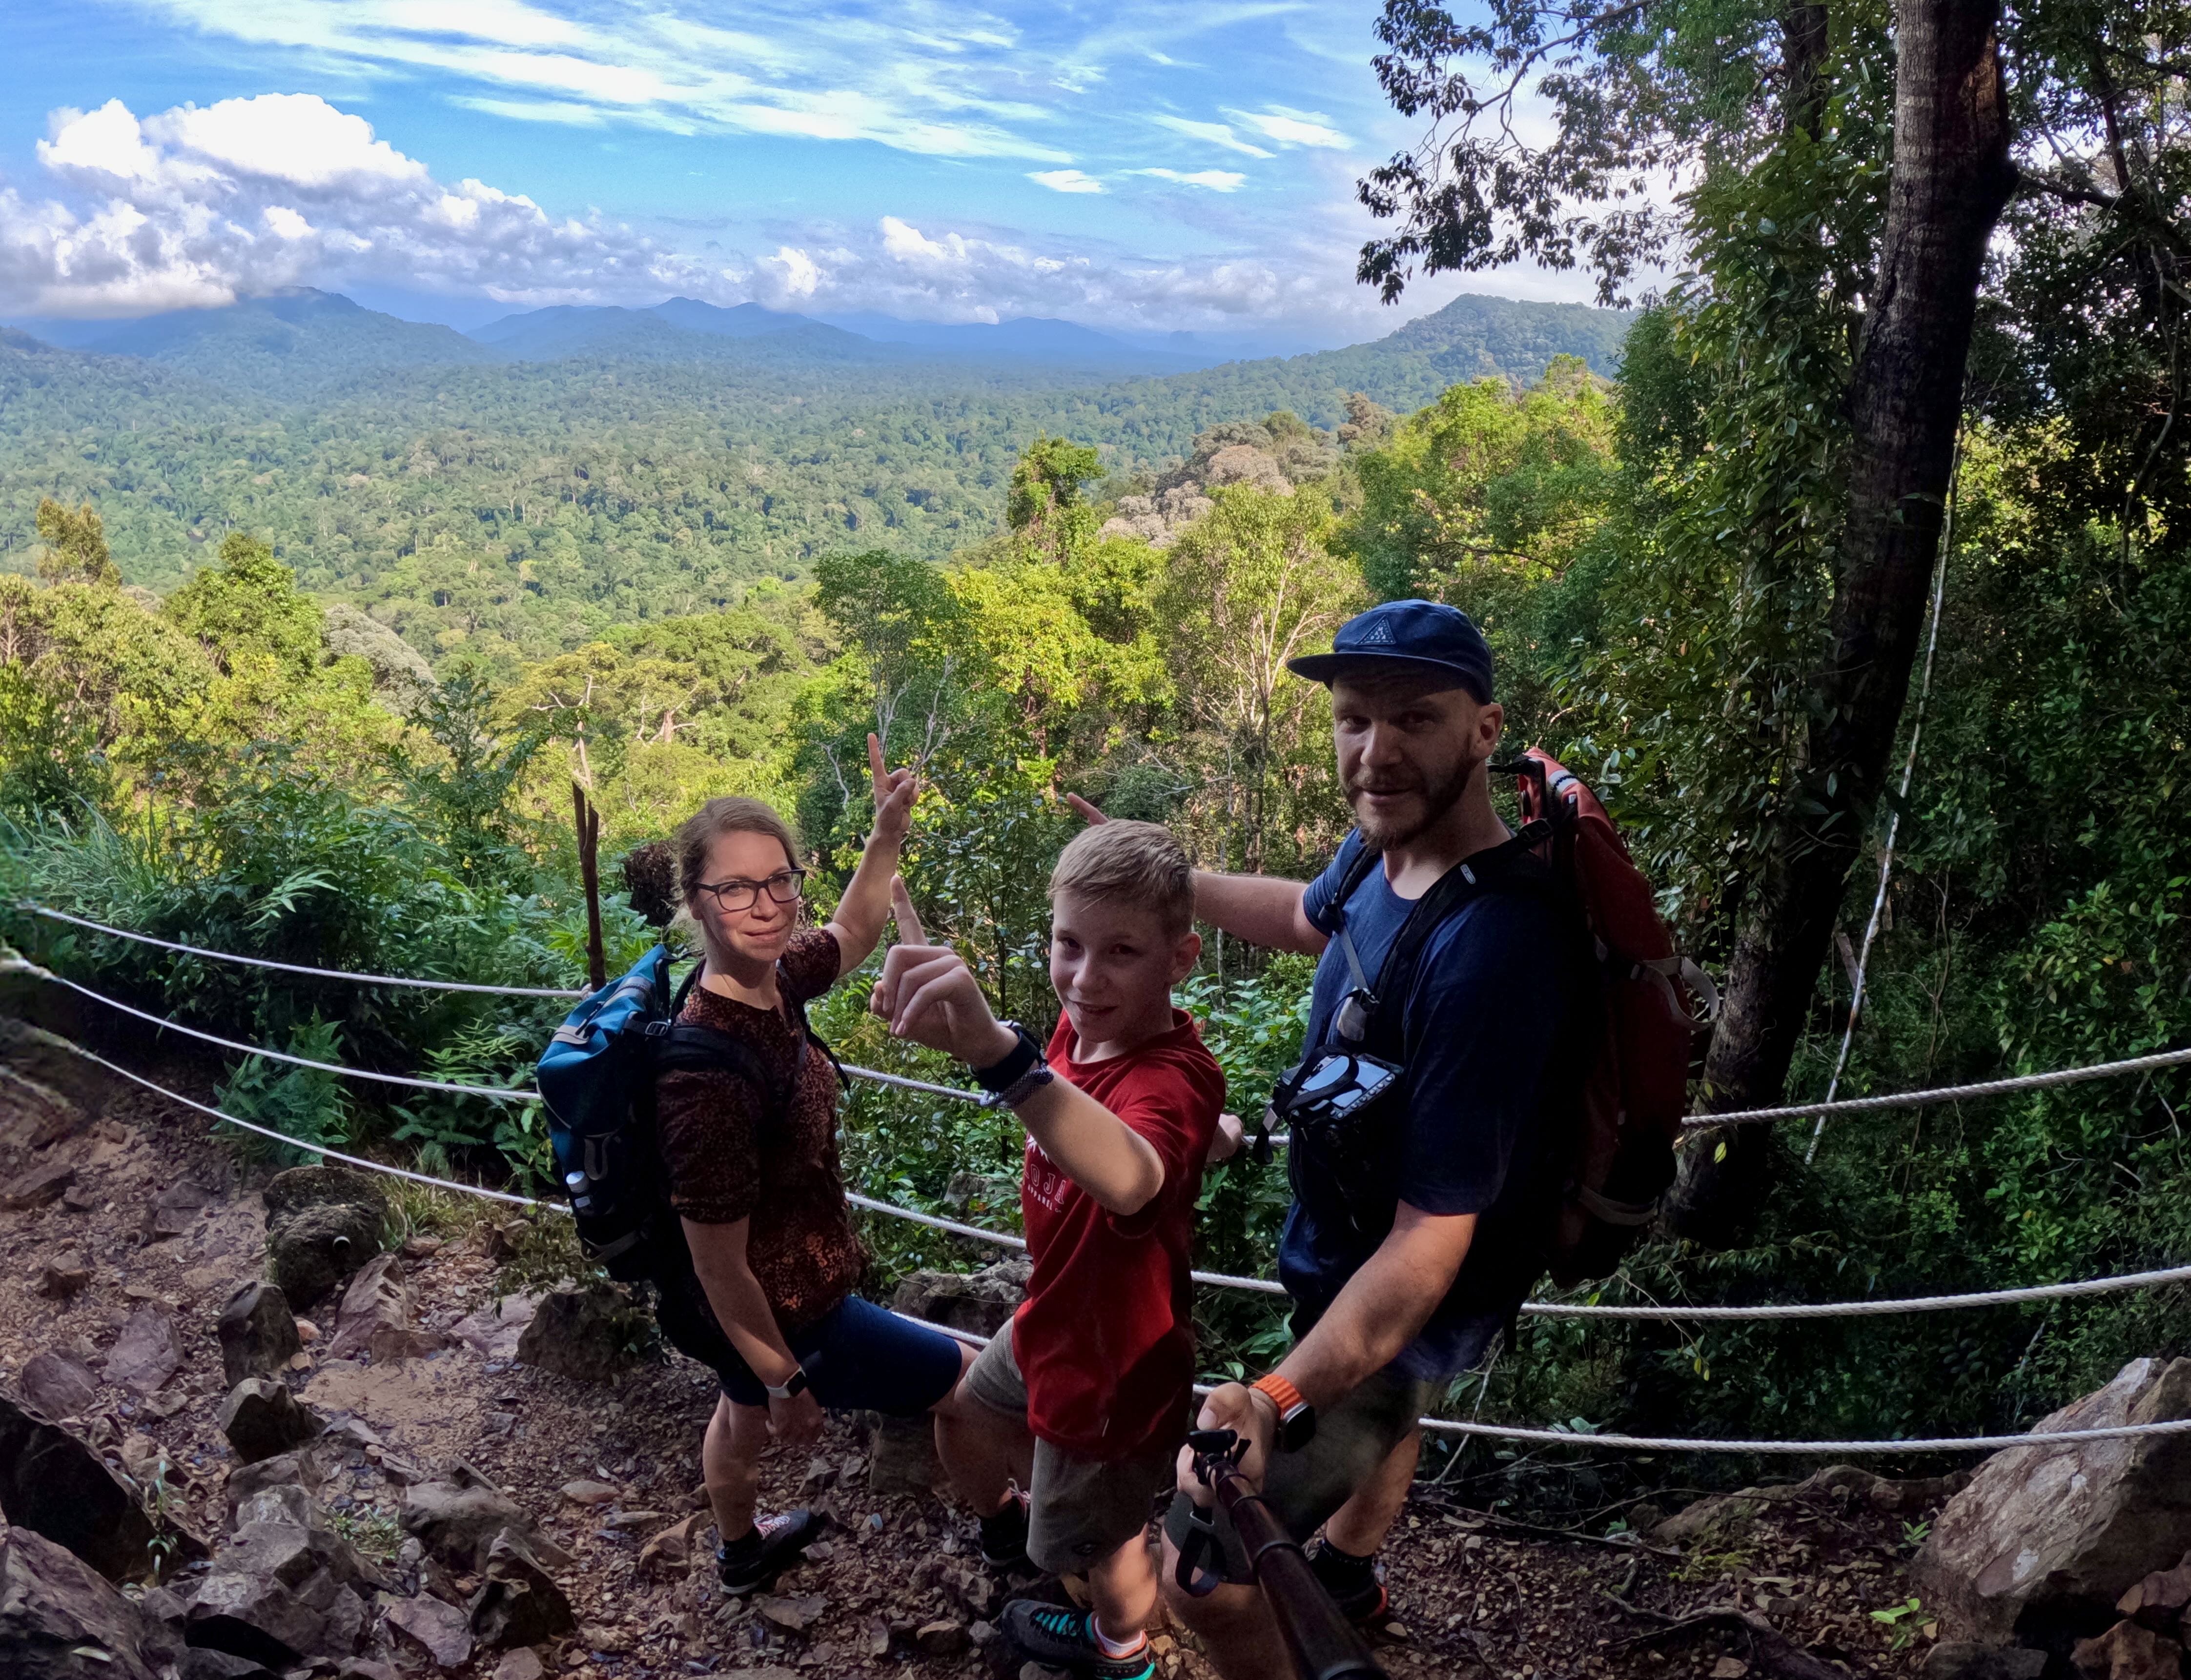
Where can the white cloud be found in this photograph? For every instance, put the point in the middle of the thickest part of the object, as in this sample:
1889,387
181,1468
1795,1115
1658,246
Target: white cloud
1293,127
1066,180
1216,134
1216,181
924,77
195,206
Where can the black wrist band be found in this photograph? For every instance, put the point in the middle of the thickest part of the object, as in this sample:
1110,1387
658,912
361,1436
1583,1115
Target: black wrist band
1004,1074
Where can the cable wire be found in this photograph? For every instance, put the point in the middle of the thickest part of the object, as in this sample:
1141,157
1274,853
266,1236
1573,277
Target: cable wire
493,1092
1946,1093
1437,1425
52,915
1822,1309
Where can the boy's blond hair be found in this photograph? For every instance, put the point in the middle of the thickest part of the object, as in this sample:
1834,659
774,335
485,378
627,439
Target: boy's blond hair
1139,864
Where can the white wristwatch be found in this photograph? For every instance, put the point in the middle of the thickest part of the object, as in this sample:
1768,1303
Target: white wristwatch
793,1386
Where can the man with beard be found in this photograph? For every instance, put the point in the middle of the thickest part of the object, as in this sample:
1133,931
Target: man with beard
1396,1293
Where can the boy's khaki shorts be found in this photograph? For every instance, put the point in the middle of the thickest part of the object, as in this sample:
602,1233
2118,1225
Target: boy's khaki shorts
1081,1510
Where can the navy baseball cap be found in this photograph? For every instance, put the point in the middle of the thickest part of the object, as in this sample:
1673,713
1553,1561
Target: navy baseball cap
1425,635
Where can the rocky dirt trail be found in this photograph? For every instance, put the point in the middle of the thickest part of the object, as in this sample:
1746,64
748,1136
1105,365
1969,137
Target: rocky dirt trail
421,1500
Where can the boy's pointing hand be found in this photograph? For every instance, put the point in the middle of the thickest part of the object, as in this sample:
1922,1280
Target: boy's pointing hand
929,995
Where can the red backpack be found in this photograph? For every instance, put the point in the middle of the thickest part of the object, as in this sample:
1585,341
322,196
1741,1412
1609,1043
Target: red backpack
1656,1010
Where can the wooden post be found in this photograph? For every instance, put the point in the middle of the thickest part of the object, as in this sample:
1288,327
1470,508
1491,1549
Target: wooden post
588,821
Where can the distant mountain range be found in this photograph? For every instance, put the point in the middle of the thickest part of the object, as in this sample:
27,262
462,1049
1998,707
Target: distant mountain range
305,343
517,490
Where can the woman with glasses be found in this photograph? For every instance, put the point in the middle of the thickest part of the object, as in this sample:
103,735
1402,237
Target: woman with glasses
754,1176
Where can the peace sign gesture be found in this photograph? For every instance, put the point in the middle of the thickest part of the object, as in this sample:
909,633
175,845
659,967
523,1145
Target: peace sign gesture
895,793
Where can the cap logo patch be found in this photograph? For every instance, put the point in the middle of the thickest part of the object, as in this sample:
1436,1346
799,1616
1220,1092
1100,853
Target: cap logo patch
1381,635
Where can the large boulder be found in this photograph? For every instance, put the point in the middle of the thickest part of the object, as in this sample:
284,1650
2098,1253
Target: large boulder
375,1317
583,1334
59,1621
261,1418
53,1484
322,1223
2045,1539
258,1333
519,1603
980,1303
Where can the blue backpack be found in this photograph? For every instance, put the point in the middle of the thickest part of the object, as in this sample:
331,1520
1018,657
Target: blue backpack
597,1079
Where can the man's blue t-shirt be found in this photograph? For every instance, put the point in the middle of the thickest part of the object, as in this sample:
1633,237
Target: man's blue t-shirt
1479,1023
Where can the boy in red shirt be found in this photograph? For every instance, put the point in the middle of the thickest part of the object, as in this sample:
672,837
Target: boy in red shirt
1089,1385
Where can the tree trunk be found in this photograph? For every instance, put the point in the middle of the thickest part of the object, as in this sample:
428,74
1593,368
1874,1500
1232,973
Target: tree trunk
1952,178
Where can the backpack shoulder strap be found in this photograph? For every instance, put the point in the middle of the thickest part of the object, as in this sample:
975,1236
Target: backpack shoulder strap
1509,866
1367,857
684,1047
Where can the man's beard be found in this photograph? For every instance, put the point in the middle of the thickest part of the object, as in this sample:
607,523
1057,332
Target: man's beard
1439,796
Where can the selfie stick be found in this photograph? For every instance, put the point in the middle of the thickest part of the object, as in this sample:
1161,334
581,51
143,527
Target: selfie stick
1323,1643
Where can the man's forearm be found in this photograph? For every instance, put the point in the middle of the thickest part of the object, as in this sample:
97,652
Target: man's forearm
1382,1309
1260,909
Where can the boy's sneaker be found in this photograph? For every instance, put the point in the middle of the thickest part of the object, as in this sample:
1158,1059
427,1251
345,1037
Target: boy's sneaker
1354,1583
1058,1635
772,1547
1004,1537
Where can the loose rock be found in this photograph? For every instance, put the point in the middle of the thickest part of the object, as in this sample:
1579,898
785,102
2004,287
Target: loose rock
2128,1652
1959,1659
149,1350
40,1187
440,1630
672,1548
941,1639
64,1274
584,1492
796,1614
375,1317
457,1524
980,1302
54,1484
179,1207
57,1384
261,1418
583,1334
521,1663
519,1603
259,1334
2048,1538
58,1620
2158,1602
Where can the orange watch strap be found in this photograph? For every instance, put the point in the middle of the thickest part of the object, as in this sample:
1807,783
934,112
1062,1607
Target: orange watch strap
1283,1395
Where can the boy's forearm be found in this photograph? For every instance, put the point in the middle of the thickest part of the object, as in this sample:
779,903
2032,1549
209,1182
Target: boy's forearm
1093,1147
1260,909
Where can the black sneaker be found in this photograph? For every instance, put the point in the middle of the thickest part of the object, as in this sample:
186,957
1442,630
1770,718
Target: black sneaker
1004,1537
1057,1636
1358,1592
773,1547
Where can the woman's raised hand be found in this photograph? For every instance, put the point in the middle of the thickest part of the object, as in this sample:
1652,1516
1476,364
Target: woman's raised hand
895,793
1088,814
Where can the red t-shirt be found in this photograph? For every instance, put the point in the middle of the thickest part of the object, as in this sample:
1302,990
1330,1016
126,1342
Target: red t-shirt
1105,1340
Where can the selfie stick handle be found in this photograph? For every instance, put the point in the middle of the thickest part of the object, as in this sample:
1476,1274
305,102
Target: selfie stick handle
1324,1645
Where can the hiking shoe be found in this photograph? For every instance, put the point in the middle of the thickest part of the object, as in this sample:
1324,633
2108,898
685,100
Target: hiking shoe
1358,1592
1058,1635
1004,1537
772,1547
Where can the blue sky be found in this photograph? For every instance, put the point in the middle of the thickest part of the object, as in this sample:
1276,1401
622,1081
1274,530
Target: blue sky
1131,165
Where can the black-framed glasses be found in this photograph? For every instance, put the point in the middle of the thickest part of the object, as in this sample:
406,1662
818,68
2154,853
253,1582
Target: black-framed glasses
786,885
